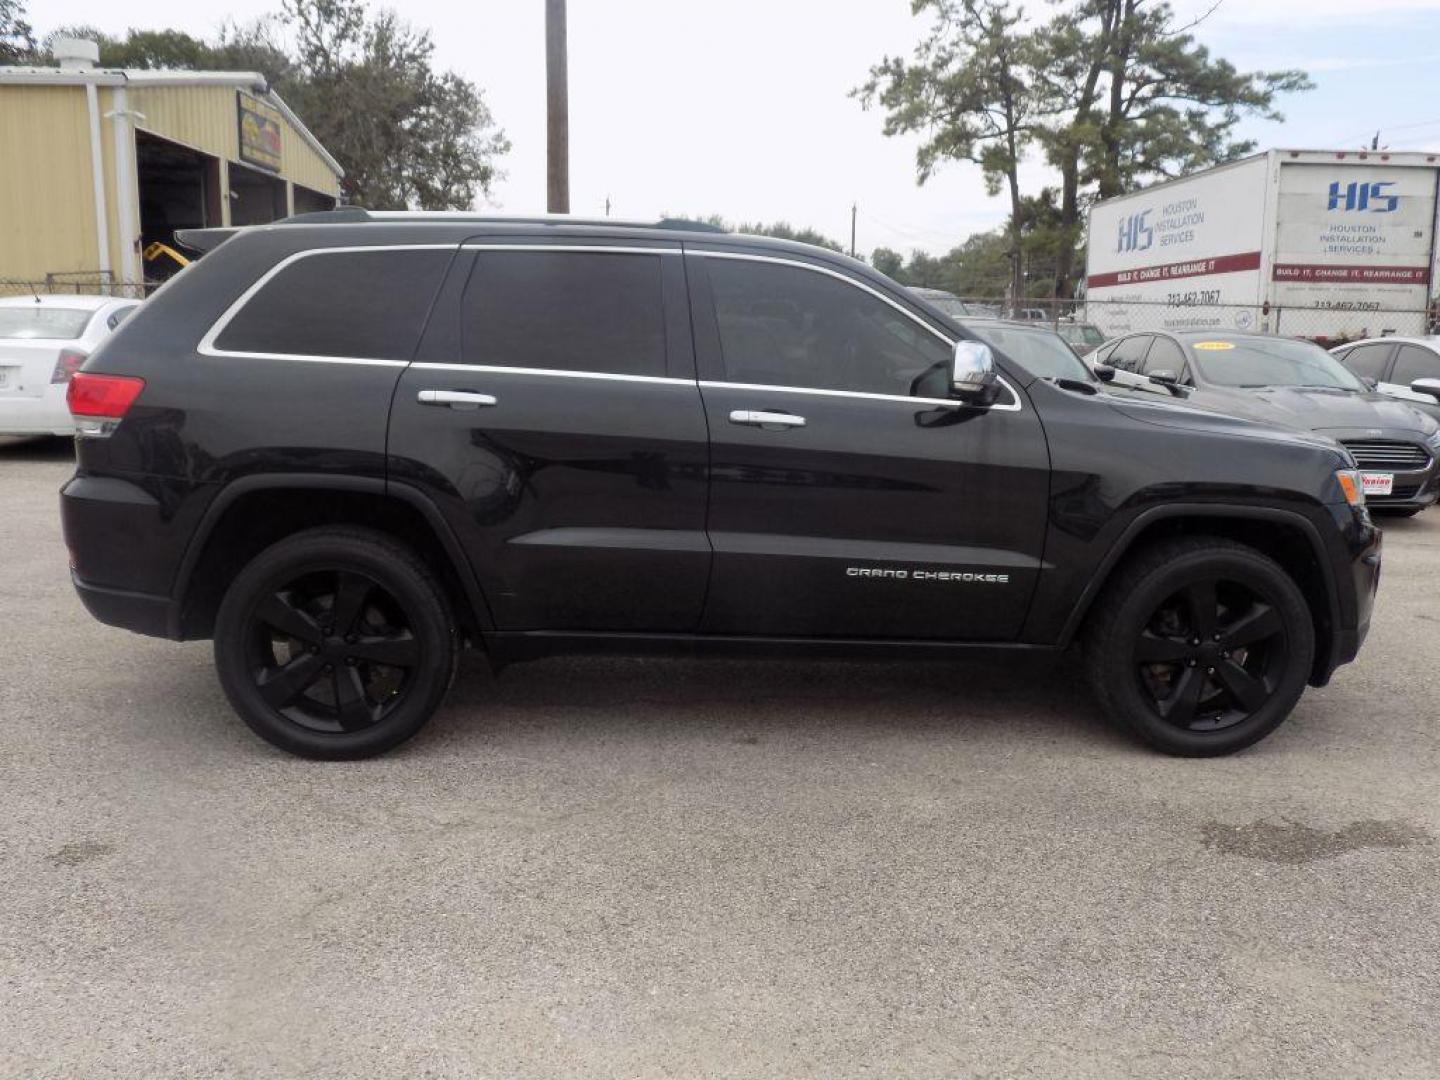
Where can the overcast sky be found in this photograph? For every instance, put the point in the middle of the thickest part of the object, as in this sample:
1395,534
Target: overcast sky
740,107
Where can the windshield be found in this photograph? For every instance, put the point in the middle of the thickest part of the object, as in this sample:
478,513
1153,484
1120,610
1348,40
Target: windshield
1040,352
1259,362
951,305
40,321
1082,334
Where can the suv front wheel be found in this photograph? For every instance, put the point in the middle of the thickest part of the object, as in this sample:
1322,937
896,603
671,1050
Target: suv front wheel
335,643
1201,646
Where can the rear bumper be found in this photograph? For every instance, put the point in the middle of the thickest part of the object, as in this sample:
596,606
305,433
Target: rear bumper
44,415
143,613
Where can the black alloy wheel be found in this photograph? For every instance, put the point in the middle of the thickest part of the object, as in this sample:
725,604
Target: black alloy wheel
332,650
335,643
1200,645
1211,655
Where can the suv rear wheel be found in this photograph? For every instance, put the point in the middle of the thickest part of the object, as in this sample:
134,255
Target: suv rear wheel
1201,647
335,643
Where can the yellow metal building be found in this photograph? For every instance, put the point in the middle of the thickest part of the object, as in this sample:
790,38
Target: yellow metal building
97,164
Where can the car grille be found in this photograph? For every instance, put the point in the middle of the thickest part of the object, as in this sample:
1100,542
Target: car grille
1388,454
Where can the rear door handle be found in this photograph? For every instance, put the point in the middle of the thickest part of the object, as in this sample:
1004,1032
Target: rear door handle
765,418
456,399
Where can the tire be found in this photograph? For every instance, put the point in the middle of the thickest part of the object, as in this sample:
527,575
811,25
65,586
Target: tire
335,643
1152,672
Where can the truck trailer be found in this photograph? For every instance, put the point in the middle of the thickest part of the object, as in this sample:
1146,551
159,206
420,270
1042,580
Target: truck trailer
1327,245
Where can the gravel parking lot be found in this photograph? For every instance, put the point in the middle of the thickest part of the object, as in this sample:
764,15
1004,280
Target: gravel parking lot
709,868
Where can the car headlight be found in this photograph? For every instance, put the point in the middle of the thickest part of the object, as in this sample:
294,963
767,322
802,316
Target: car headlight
1434,442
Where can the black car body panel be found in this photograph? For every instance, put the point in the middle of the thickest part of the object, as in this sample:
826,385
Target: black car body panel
632,510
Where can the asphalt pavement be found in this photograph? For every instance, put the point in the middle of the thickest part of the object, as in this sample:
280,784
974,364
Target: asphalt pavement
645,868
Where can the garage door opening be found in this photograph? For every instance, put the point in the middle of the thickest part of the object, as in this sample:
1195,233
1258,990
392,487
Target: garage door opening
256,198
308,201
178,190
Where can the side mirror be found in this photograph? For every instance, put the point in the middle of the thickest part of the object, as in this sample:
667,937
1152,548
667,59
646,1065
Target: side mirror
1427,386
972,373
1164,378
1104,372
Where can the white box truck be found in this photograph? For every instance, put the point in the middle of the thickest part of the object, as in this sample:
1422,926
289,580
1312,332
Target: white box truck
1329,245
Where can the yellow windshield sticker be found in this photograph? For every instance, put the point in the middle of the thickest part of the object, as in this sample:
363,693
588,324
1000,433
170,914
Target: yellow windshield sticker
1214,346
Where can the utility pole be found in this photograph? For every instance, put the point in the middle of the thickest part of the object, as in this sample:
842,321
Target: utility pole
853,208
557,115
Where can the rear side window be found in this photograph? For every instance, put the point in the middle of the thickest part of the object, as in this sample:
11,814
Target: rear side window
566,311
1368,361
1412,362
361,304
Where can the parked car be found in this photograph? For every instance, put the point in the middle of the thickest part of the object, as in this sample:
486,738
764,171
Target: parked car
43,341
1407,368
1296,383
1083,337
344,447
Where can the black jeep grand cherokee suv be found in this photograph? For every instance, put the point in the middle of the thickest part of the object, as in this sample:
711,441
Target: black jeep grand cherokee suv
341,447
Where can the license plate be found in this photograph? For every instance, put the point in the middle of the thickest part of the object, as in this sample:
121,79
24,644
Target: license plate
1377,483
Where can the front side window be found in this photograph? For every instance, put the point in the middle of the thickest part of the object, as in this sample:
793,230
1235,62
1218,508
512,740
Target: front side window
787,326
1130,353
1368,361
1413,362
599,312
354,304
1165,355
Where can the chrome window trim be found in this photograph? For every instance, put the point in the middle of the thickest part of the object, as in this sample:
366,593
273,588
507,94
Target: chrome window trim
207,343
495,369
1013,405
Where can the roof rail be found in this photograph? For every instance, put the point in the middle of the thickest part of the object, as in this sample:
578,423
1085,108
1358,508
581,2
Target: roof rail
352,214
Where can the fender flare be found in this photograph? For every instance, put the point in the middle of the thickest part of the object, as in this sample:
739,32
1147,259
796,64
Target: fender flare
1146,518
365,485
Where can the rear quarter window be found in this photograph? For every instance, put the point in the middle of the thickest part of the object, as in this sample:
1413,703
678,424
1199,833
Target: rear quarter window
356,304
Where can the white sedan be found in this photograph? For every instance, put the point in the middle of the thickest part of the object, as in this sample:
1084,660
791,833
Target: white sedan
43,341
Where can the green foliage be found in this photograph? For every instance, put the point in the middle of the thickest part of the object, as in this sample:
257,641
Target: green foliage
781,230
17,38
364,82
969,91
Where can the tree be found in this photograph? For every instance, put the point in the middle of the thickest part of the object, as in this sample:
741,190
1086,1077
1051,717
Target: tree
969,89
1132,97
406,134
888,262
17,39
781,230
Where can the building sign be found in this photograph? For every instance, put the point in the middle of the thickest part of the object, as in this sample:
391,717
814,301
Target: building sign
259,132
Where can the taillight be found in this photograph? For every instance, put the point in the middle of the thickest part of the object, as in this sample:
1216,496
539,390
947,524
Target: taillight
99,402
66,367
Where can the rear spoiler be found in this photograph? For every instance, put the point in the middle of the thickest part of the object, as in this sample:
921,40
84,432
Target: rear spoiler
203,240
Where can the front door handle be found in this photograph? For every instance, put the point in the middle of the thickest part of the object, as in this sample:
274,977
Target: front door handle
765,418
456,399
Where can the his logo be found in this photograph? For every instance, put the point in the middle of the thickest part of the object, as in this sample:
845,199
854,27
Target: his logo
1358,195
1135,233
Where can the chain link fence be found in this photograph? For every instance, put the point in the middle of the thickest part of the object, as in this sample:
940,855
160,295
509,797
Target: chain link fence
1326,325
77,283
